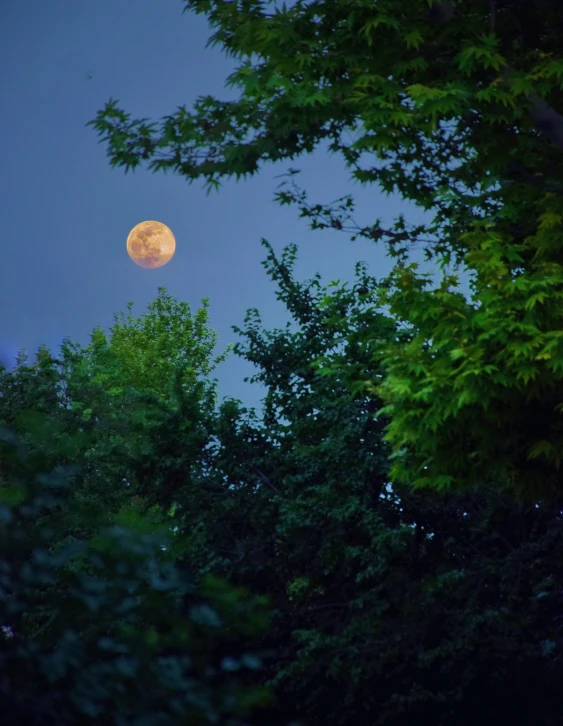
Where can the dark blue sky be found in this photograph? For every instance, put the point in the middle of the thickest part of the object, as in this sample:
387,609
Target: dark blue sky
66,213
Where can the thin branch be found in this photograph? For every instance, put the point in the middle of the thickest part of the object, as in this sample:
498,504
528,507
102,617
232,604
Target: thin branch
236,552
328,605
517,167
267,481
492,9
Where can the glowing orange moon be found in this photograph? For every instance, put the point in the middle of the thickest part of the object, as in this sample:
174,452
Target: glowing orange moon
151,244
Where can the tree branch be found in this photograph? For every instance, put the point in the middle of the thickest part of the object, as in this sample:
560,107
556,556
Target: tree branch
265,479
519,169
545,119
328,605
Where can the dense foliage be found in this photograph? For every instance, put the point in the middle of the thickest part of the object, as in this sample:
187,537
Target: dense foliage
387,604
118,634
103,627
391,605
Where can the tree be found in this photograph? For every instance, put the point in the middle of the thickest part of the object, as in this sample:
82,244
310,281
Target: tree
93,661
328,66
112,388
480,380
392,605
95,407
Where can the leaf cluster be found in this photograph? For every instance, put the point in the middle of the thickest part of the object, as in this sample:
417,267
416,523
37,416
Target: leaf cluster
127,638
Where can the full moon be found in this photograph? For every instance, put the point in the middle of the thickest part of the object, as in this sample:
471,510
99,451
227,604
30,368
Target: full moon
151,244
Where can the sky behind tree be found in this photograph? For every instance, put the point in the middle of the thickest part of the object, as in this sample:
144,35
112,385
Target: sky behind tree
67,213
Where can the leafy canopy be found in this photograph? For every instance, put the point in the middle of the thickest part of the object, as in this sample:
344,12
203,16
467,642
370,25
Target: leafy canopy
389,605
